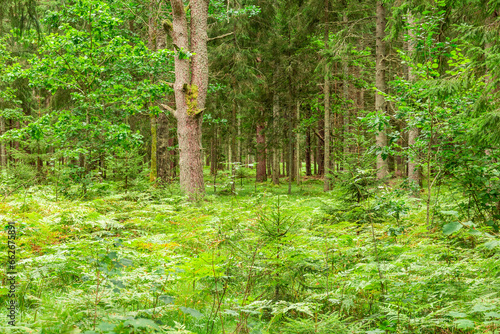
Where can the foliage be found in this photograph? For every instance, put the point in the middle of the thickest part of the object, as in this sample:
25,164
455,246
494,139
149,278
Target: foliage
144,262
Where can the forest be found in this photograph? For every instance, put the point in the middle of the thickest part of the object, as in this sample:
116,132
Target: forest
249,166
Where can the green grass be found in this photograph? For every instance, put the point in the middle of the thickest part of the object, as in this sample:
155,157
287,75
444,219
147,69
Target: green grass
147,260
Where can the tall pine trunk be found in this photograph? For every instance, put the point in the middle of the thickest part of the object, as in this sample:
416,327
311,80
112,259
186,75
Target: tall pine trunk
152,33
190,88
345,97
326,93
308,152
297,145
276,165
380,104
261,175
3,151
414,175
163,154
320,152
153,173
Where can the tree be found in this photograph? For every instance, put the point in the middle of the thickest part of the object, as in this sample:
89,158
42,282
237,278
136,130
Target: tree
414,175
261,175
380,104
326,93
190,88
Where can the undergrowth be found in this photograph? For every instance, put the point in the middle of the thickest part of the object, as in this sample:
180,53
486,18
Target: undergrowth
252,260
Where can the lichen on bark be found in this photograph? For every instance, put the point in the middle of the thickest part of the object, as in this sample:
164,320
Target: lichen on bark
191,92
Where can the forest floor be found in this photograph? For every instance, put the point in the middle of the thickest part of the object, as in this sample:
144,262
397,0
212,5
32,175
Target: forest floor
258,261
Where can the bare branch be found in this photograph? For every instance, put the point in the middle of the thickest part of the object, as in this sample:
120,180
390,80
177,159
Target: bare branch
221,36
166,107
319,136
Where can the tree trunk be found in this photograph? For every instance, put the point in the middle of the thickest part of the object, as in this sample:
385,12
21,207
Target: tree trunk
290,161
3,151
297,146
16,143
232,142
269,163
238,140
152,32
261,175
320,148
283,161
345,97
276,165
213,151
359,145
315,164
153,173
380,105
326,93
308,152
162,149
229,157
190,88
172,160
414,175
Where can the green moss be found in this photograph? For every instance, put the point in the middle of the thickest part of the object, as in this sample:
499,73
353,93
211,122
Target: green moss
192,99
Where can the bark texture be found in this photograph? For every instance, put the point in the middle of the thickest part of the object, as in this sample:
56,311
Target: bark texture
326,93
413,172
3,152
297,146
190,89
380,104
165,157
276,166
152,33
308,152
153,173
345,97
261,175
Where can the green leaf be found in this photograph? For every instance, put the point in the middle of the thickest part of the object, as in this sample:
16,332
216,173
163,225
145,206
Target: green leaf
450,213
482,308
473,231
141,323
118,284
232,312
451,228
191,312
457,314
106,326
492,244
167,299
495,315
126,262
464,323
